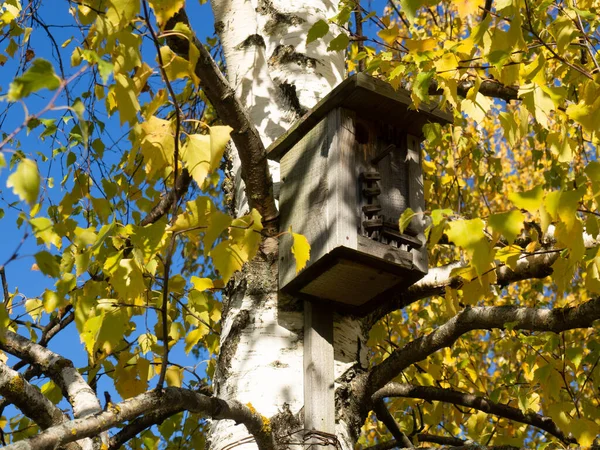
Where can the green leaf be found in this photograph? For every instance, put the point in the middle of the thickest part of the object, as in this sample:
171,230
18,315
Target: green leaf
48,263
317,31
43,228
300,250
528,200
338,43
421,86
39,76
410,7
128,281
507,224
592,170
469,235
25,181
585,431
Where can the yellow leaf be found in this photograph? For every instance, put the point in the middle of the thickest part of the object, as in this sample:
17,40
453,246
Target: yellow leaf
175,66
124,98
174,376
157,145
165,9
476,109
202,153
227,259
420,45
128,280
389,35
25,181
300,250
202,284
538,102
192,337
469,235
467,7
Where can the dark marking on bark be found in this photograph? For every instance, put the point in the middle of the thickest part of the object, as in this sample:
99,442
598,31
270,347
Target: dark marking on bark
219,27
229,347
350,405
287,54
279,21
289,303
288,92
254,40
228,182
261,276
284,424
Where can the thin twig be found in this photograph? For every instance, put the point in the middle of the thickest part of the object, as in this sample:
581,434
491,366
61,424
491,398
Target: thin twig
171,249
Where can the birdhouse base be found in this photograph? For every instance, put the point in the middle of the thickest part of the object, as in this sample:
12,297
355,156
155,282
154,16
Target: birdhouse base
354,281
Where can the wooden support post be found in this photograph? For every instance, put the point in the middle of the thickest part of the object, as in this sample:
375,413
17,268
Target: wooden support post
319,407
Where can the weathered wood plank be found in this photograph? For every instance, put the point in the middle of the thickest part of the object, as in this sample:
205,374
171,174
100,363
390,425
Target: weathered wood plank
319,406
416,199
342,179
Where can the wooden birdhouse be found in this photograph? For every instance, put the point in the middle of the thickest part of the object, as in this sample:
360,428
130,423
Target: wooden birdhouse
349,168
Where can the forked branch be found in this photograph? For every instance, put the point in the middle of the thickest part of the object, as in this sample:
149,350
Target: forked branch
431,393
481,318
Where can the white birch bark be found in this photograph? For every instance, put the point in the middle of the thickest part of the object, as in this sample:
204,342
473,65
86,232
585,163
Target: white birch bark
278,78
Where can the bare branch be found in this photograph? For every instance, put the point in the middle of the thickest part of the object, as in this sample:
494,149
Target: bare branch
383,414
81,397
174,399
28,399
422,437
489,88
138,425
431,393
469,319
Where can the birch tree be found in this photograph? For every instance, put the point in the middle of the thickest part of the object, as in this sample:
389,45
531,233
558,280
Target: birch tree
141,222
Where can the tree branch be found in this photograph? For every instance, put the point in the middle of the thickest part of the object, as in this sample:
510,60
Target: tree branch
485,317
431,393
28,399
383,414
138,425
253,156
173,399
439,278
81,397
489,88
528,266
422,437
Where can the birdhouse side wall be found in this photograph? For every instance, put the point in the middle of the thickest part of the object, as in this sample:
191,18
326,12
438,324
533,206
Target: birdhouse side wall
318,191
416,200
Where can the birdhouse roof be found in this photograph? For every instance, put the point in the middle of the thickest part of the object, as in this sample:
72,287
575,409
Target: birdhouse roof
370,98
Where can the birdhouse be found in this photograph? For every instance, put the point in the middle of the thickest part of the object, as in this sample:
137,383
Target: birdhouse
349,168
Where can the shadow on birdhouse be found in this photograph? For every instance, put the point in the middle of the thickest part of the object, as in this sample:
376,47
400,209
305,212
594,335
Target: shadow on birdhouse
349,168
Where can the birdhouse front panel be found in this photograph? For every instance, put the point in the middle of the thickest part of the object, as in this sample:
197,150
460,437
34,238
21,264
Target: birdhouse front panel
349,169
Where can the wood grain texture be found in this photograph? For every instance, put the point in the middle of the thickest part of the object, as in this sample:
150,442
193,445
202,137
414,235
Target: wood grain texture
304,197
416,199
319,407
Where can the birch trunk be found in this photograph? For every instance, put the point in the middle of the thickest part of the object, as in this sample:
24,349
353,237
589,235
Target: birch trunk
278,78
